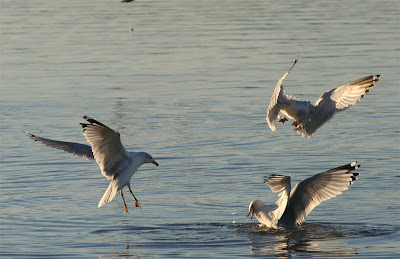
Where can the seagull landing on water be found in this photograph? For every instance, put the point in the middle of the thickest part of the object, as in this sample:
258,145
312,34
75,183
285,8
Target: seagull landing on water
309,117
115,163
292,207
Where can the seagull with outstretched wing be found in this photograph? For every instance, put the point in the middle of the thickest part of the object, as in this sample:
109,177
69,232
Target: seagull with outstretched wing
294,205
309,117
115,163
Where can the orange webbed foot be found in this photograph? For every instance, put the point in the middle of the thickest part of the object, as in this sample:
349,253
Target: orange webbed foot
283,120
137,204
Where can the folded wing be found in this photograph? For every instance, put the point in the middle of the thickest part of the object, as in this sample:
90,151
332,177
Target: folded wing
107,148
76,149
309,193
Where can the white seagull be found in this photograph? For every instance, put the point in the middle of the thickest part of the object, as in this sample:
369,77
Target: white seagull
292,207
309,117
115,163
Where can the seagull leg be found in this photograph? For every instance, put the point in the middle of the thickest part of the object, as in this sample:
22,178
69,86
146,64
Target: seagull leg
125,207
137,204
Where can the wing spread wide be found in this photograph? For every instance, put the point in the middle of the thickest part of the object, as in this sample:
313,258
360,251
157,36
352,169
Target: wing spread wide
76,149
337,100
309,193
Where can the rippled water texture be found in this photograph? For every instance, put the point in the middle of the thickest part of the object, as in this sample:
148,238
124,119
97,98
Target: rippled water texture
190,85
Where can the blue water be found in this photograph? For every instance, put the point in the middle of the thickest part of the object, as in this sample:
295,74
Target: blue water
191,85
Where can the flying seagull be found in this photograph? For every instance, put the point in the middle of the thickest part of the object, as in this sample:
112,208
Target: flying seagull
309,117
115,163
292,207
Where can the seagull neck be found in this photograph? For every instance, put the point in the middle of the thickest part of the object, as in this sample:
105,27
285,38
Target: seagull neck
136,159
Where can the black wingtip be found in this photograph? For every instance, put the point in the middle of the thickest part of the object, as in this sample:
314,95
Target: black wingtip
375,79
30,135
84,126
92,122
349,167
355,165
295,61
272,176
354,175
89,119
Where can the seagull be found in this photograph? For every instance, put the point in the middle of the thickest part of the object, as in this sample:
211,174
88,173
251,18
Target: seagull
309,117
292,207
116,164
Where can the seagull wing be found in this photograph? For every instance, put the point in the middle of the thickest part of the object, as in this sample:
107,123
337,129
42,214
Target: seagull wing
309,193
277,96
337,100
281,184
76,149
107,148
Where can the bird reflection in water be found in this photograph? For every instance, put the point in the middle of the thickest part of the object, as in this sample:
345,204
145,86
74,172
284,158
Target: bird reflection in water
305,240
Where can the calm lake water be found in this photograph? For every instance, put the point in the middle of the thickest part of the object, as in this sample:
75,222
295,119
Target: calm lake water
190,85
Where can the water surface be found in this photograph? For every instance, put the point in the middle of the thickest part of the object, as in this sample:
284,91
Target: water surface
191,85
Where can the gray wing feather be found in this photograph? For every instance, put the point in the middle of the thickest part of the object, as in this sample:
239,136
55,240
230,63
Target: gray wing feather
278,183
309,193
337,100
76,149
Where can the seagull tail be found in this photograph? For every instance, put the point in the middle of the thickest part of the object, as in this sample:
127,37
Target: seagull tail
109,195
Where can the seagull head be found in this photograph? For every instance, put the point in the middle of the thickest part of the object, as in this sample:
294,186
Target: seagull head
254,206
147,158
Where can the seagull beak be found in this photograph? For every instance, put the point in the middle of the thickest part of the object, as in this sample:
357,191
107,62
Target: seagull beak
252,213
154,162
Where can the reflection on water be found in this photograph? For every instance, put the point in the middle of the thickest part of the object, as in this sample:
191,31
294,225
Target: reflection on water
193,239
306,239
